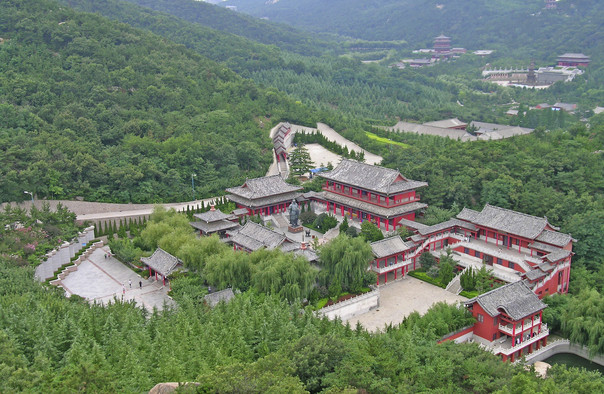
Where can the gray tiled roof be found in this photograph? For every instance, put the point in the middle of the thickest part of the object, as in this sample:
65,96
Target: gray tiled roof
558,255
240,211
554,238
263,187
374,209
213,299
535,274
212,227
516,299
407,127
444,225
505,130
162,262
263,202
468,214
509,221
375,178
253,236
211,216
389,246
412,224
544,247
575,55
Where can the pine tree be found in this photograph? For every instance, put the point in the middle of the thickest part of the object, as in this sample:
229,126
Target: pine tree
99,229
300,161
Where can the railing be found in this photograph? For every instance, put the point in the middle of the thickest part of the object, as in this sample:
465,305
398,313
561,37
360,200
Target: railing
372,200
507,351
508,329
550,345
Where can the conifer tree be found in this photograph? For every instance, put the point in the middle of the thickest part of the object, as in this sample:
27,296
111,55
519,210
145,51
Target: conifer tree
300,161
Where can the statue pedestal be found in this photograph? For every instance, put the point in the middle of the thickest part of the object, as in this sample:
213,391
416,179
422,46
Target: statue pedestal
295,229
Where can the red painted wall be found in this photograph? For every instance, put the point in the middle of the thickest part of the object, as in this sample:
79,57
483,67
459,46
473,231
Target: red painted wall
486,328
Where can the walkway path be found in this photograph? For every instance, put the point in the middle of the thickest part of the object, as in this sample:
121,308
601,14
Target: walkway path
103,280
399,299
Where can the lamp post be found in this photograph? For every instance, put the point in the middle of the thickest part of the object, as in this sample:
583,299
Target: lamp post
31,194
193,184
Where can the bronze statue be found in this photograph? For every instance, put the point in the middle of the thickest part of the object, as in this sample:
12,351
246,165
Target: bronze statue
294,213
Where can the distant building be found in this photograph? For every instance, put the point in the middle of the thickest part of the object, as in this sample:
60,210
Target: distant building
442,45
551,75
566,107
282,140
392,256
573,60
483,52
452,123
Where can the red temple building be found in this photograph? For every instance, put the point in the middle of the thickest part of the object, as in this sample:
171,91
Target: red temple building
264,196
550,4
367,192
573,60
513,246
391,257
442,44
509,321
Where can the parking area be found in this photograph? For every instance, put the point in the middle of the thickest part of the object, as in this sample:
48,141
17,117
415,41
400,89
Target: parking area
399,299
105,279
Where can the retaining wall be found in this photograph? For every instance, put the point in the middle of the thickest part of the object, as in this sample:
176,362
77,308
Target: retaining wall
459,336
563,346
58,257
353,306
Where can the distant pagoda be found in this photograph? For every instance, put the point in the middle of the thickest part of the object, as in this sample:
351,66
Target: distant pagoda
550,4
442,44
531,78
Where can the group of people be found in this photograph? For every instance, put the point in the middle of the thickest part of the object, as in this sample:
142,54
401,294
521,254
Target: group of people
140,285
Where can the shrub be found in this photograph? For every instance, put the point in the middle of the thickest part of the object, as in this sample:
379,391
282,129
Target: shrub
308,217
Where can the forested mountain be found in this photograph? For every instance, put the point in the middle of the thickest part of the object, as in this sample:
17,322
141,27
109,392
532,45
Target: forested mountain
510,25
99,109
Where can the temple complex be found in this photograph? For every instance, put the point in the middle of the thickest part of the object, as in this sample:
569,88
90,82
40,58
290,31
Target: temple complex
509,321
512,245
264,196
365,192
282,141
388,252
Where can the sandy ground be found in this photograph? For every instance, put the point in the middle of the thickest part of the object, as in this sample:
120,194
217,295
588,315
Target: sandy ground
398,299
321,156
332,135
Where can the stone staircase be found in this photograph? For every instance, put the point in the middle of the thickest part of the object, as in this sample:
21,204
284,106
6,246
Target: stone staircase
280,220
455,285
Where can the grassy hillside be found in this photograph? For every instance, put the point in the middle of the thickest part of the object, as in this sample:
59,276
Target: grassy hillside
98,109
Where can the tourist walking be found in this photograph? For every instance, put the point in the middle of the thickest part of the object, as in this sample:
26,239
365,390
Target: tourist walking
130,282
140,284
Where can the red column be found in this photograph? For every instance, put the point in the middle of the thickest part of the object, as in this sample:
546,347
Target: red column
387,221
342,209
378,279
496,238
149,271
395,273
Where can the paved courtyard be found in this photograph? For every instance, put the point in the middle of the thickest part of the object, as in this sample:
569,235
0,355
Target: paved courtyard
398,299
103,280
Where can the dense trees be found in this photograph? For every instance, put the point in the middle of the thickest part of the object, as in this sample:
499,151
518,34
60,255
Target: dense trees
344,261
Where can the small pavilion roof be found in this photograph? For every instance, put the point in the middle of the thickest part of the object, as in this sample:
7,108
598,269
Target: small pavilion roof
445,225
506,220
213,299
162,262
263,187
240,211
213,227
574,56
253,236
516,299
213,215
535,274
375,178
389,246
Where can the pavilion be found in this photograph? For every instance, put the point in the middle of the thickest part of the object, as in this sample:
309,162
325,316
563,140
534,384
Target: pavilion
214,221
162,263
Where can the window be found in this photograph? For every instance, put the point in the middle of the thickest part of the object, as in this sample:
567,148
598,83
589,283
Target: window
495,321
480,318
494,336
466,250
511,265
499,261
